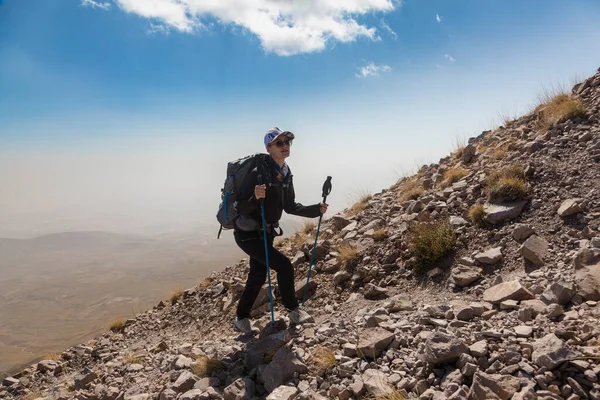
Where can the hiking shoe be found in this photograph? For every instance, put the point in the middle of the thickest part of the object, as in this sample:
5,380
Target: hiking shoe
243,325
299,316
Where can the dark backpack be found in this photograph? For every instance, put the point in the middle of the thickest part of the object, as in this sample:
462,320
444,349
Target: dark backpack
236,185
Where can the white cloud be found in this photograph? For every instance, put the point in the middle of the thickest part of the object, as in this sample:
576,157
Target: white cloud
95,4
450,58
372,70
438,18
385,26
284,27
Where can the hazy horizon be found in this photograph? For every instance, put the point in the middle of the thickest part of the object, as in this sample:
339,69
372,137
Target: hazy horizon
121,117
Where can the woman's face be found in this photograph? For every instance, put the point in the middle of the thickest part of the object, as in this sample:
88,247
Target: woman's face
280,147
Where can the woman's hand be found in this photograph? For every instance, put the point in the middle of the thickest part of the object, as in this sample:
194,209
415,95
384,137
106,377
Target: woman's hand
323,207
260,191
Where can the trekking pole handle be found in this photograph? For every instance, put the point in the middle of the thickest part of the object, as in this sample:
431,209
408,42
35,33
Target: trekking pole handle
260,182
326,188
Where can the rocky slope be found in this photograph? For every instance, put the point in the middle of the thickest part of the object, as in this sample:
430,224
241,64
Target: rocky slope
510,313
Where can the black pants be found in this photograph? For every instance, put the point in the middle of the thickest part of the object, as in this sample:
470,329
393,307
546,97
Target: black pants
252,243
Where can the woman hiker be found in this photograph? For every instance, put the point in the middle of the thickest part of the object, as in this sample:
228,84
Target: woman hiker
279,196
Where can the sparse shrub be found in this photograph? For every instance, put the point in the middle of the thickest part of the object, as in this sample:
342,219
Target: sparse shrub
297,240
132,359
205,283
379,235
508,184
53,356
429,242
348,254
393,394
206,367
453,175
309,227
175,295
323,360
508,189
410,189
360,205
477,214
117,325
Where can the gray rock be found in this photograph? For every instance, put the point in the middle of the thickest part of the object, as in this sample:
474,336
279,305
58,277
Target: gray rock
441,348
479,349
372,341
490,256
512,290
240,389
468,154
522,232
194,394
281,369
588,282
84,378
493,386
570,207
457,221
376,382
267,345
398,303
496,213
283,393
462,275
550,352
184,382
558,292
341,277
534,250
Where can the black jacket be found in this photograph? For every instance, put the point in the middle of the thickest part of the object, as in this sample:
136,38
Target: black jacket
280,196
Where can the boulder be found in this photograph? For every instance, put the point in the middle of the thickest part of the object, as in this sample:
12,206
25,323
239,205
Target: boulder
512,290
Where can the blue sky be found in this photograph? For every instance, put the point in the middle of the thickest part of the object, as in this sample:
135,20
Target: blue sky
379,83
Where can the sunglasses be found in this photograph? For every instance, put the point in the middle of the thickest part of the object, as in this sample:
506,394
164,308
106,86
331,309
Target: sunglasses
281,143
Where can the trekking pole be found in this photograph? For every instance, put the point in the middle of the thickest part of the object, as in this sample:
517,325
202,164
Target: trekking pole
326,191
264,229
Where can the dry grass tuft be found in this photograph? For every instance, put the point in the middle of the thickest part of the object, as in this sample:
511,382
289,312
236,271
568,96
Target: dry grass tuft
117,325
379,235
308,227
296,240
477,214
323,360
360,205
53,356
205,283
410,189
508,184
175,295
205,367
348,254
556,106
391,395
429,242
453,175
132,359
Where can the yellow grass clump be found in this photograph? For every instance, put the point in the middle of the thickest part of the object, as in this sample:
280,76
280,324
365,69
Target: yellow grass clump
558,106
507,184
323,360
477,214
348,254
175,295
410,189
117,325
360,205
453,175
206,367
